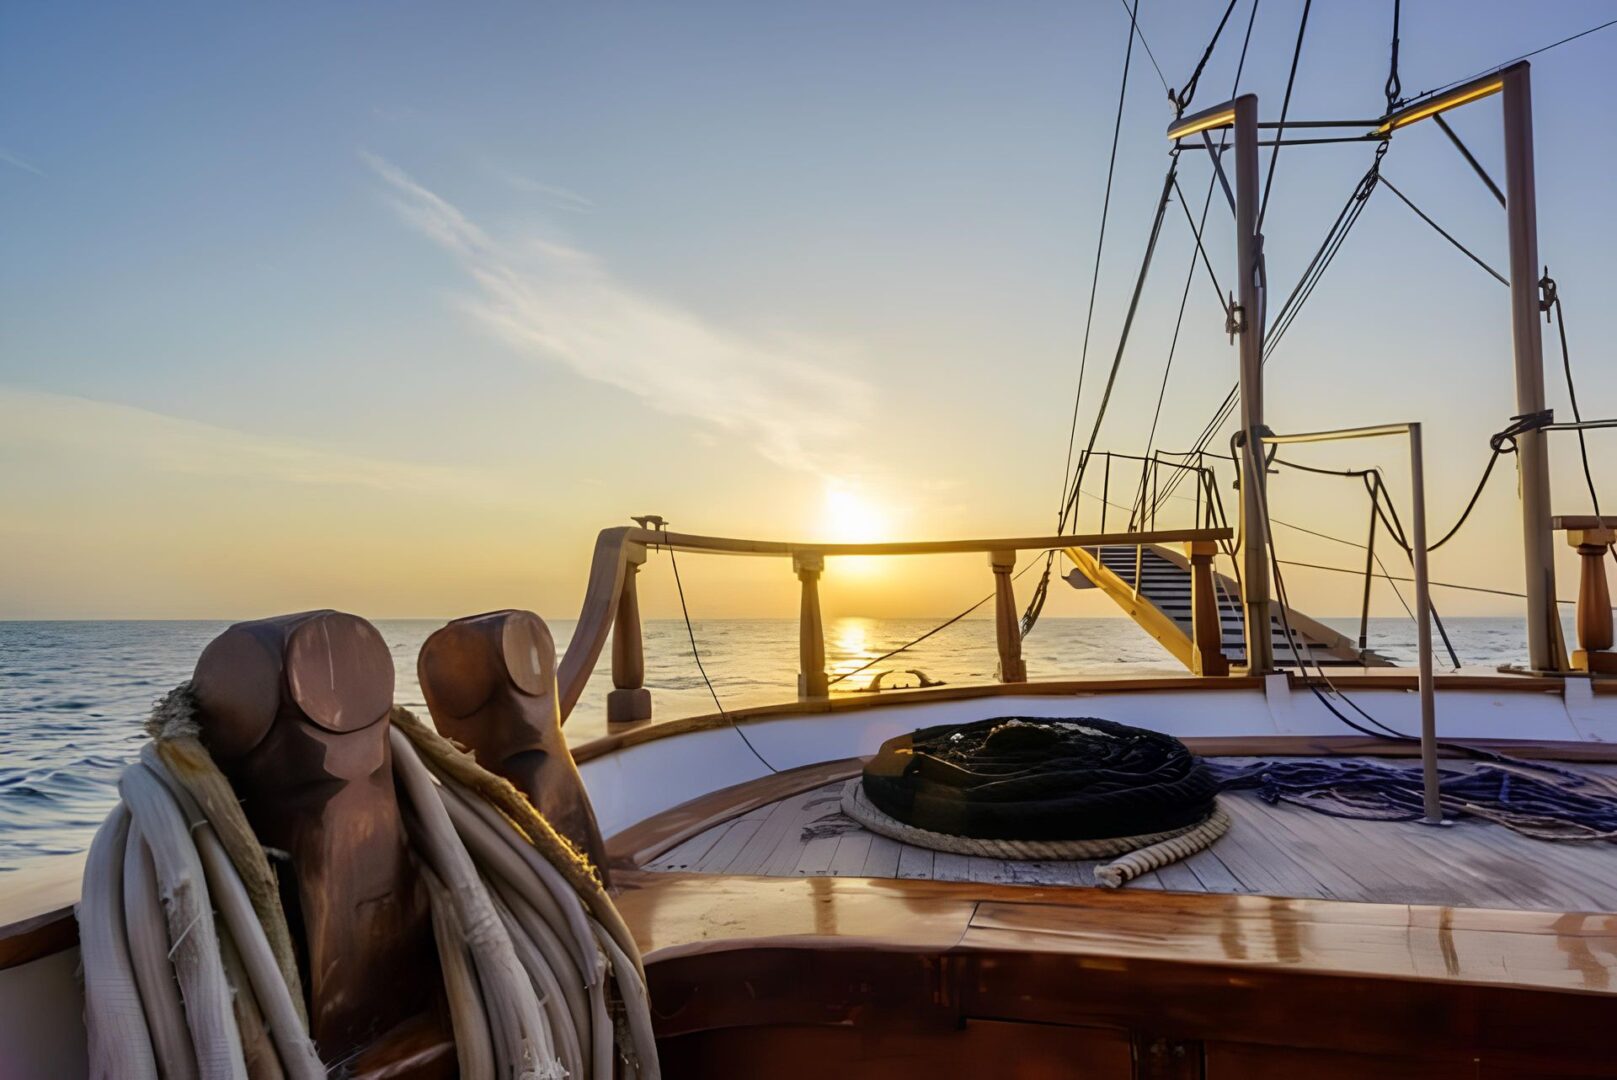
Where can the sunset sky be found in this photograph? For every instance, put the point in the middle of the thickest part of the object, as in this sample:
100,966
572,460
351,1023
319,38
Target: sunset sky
392,307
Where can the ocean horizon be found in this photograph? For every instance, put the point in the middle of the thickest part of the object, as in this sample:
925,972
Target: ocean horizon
74,694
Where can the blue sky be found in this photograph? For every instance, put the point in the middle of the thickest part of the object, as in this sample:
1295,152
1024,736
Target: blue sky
392,306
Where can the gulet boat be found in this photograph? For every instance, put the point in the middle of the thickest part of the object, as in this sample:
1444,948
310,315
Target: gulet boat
736,918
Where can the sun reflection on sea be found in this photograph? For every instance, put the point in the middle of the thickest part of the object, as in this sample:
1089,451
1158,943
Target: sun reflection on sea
849,647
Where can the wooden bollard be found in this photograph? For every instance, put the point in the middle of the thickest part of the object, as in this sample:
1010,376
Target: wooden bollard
294,710
490,684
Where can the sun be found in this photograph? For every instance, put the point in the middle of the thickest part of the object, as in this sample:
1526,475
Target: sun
850,516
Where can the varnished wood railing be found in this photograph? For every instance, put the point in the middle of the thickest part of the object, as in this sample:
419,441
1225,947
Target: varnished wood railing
1592,537
611,600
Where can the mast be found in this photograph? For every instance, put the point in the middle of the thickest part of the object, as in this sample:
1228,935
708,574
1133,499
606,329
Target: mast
1544,646
1246,325
1254,523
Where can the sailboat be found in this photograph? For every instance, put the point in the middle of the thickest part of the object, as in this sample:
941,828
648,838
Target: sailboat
743,909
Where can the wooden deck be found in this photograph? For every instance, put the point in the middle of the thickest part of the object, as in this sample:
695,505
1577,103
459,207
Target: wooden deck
1281,851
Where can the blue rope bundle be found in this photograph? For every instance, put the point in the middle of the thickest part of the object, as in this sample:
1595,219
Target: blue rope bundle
1538,800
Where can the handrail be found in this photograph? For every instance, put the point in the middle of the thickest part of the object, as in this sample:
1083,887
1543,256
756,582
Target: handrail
722,545
619,547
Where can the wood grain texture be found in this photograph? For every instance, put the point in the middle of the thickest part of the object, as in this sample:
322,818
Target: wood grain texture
1280,851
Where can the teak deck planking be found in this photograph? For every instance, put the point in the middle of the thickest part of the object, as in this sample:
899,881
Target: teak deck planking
1283,851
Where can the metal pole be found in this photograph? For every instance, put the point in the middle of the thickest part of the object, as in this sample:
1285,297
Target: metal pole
1105,490
1543,637
1369,572
1254,527
1423,632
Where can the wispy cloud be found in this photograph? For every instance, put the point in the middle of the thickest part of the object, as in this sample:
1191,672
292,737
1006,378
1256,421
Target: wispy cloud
553,195
19,163
781,397
35,421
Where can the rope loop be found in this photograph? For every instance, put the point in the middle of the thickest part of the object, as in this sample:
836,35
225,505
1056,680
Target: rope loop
1504,442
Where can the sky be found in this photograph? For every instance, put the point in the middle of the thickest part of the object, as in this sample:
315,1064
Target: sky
392,307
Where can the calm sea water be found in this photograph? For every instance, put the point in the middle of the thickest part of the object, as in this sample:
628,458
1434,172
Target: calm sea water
73,695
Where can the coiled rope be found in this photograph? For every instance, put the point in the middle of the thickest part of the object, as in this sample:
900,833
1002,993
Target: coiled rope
188,962
1033,788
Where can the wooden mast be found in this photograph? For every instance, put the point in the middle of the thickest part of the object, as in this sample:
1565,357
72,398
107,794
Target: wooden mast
1249,329
1544,646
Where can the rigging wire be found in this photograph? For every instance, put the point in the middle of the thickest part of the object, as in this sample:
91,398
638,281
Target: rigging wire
1470,158
1149,55
1514,60
1444,233
696,654
1395,85
1326,253
1553,312
1100,248
1182,98
1173,347
1398,577
1070,499
1285,107
941,626
1123,337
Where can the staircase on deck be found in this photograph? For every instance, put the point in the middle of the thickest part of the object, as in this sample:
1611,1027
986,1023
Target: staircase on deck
1152,584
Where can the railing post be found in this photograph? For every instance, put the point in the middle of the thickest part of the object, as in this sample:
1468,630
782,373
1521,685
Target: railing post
1206,627
812,681
1007,630
629,702
1595,636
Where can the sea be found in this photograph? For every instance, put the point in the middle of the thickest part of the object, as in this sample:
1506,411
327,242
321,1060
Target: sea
73,695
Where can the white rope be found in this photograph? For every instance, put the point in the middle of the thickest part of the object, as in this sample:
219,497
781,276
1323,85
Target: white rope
1139,854
148,951
195,941
176,989
119,1042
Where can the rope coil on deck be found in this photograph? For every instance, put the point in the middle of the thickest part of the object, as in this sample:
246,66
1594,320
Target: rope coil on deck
1140,854
189,969
1042,789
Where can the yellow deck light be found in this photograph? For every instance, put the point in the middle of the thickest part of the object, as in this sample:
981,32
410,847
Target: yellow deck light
1217,117
1481,88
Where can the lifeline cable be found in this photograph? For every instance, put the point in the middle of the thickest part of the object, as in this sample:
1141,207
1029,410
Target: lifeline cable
696,654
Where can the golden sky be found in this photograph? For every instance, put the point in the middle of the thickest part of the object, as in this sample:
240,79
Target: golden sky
291,322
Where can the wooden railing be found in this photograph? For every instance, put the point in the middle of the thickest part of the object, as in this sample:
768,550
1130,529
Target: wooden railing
611,600
1592,537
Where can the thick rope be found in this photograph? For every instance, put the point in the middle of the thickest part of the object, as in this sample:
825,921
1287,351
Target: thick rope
1140,854
188,965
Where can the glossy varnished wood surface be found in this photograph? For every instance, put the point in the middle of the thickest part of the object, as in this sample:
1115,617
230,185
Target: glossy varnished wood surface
1281,851
676,915
742,968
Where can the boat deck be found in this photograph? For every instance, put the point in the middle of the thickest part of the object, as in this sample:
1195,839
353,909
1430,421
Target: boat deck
1280,851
